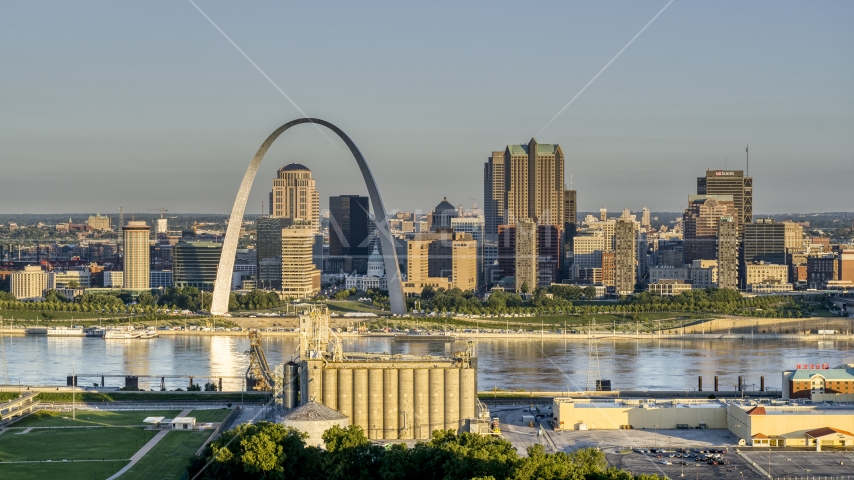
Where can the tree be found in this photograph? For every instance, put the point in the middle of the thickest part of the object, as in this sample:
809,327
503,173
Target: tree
349,454
263,450
524,288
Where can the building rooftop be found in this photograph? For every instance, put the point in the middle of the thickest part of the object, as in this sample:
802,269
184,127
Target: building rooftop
293,166
823,432
831,374
313,411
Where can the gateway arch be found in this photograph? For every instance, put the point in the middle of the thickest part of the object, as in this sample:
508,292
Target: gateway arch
222,286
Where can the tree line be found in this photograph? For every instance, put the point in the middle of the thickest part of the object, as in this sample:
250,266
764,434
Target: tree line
564,300
272,451
147,302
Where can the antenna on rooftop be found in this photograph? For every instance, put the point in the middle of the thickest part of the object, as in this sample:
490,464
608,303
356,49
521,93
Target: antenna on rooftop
747,154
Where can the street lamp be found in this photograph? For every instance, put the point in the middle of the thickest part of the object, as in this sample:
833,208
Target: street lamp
655,435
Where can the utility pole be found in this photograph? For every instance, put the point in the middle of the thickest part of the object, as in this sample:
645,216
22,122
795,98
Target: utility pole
73,391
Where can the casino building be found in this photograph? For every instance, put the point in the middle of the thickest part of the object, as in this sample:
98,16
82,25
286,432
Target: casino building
819,383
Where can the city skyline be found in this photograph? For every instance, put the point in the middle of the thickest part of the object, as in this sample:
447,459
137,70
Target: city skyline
180,108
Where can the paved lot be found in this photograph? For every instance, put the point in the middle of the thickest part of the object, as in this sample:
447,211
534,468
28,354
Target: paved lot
800,464
647,463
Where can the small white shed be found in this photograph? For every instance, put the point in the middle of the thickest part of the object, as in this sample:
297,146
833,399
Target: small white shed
183,423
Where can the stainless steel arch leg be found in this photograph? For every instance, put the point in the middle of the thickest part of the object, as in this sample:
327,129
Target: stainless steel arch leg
222,286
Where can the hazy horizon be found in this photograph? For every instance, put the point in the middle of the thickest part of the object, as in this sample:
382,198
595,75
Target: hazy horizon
147,105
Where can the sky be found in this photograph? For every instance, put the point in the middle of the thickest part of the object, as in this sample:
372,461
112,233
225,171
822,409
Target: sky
147,105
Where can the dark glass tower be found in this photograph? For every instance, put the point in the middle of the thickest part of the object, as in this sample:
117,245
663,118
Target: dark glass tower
349,229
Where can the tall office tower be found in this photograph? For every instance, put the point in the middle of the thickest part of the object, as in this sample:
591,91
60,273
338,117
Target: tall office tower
294,195
730,182
626,213
493,193
643,254
645,218
625,257
603,214
548,255
300,279
700,224
768,241
526,255
533,183
349,229
727,254
506,251
570,217
587,254
136,256
474,226
195,264
444,259
268,248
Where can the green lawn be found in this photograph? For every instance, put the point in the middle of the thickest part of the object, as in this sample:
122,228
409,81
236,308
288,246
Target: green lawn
217,415
92,397
170,457
351,306
7,396
44,418
67,470
58,444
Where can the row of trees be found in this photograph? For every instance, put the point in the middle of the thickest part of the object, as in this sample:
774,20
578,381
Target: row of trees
558,300
172,298
272,451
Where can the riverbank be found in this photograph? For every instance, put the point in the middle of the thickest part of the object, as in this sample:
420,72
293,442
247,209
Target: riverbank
463,336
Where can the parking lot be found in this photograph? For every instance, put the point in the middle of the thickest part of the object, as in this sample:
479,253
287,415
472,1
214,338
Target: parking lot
638,463
801,464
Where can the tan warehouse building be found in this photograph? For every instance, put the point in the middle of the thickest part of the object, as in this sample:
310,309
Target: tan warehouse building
777,423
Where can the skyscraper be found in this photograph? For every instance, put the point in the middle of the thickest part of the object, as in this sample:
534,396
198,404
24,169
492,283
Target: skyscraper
645,223
730,182
570,217
768,241
349,224
526,256
493,193
136,255
195,263
700,224
269,251
533,183
506,251
294,195
548,255
625,253
300,279
727,254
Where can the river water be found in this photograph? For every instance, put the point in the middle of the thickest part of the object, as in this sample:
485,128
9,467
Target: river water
510,364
